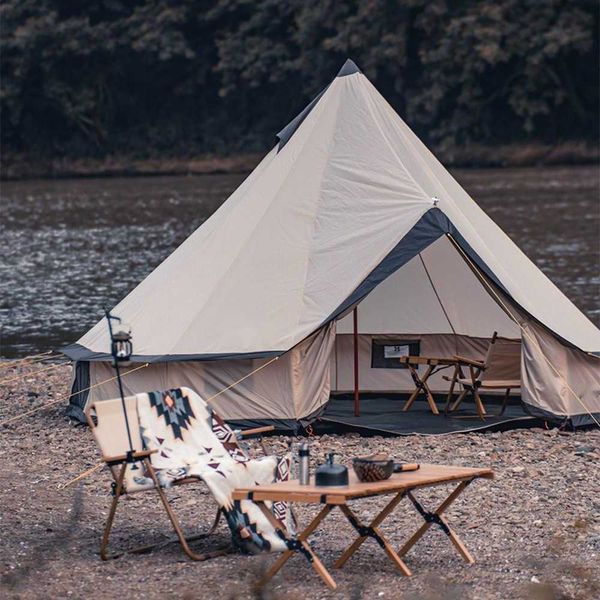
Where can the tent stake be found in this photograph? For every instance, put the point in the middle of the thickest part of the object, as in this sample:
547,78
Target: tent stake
356,392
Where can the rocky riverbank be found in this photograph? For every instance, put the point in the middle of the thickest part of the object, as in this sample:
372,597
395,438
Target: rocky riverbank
534,529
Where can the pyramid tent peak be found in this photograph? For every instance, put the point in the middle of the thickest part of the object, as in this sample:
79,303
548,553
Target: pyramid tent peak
348,68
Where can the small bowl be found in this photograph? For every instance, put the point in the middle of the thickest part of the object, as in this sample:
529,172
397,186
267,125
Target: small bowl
376,467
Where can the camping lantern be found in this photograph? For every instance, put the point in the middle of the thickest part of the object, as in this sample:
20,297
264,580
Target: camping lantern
121,349
120,343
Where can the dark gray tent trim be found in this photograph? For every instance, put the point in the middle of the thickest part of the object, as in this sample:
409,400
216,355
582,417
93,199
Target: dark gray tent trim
348,68
79,352
288,131
574,421
78,398
292,425
432,225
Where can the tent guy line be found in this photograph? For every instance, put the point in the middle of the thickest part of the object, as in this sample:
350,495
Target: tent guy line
34,358
525,332
65,396
96,467
439,300
23,375
241,379
93,469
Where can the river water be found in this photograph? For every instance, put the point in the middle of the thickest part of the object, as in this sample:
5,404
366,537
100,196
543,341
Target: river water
70,247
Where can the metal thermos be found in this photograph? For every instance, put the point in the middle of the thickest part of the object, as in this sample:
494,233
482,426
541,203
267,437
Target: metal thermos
303,471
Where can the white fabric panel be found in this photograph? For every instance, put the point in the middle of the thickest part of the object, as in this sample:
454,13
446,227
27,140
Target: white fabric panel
557,379
274,262
469,306
404,302
407,302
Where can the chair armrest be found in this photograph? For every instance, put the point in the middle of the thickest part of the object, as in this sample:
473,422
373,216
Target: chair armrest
461,360
256,430
123,457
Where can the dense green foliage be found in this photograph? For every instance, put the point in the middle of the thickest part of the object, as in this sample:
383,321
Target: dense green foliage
174,77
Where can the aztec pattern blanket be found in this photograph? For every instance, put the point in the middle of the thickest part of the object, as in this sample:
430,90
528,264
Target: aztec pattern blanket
193,441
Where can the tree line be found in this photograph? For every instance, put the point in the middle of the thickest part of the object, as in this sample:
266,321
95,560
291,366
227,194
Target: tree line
177,77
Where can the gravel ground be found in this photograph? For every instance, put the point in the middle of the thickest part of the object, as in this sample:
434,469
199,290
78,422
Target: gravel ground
534,529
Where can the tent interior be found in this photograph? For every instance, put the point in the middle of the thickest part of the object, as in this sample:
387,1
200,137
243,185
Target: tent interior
436,303
435,306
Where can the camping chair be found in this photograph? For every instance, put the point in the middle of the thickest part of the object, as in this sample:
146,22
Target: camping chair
134,471
500,370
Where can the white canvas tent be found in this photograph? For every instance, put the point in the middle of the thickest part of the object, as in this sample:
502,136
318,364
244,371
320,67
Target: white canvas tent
349,209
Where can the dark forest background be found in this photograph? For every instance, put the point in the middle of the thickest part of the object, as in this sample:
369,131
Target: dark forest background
157,77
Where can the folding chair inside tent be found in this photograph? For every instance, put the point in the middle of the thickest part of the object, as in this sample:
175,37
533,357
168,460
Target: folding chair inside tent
133,472
500,370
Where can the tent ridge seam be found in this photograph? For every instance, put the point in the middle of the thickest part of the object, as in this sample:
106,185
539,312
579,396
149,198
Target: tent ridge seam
393,151
314,224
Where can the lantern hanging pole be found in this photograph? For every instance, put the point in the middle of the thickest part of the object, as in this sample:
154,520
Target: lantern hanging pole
356,390
119,356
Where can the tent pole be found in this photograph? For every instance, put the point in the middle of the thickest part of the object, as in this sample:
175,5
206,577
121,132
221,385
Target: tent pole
356,392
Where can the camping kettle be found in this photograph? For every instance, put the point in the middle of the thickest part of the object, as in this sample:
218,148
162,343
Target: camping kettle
331,473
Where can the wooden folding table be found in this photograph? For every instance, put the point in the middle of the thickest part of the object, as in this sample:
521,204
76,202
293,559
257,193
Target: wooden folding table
400,485
433,366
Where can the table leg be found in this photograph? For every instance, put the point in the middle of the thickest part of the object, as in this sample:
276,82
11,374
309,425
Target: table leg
432,404
373,531
421,386
298,544
417,382
436,518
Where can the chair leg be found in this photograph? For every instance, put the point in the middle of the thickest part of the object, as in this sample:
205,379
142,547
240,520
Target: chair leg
149,547
211,530
504,402
450,395
175,521
479,404
111,514
462,396
474,374
180,537
189,538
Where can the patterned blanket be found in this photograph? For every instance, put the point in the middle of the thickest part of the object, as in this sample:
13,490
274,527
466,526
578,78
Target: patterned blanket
193,441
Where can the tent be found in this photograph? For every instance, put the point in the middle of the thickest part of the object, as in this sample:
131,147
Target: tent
348,210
